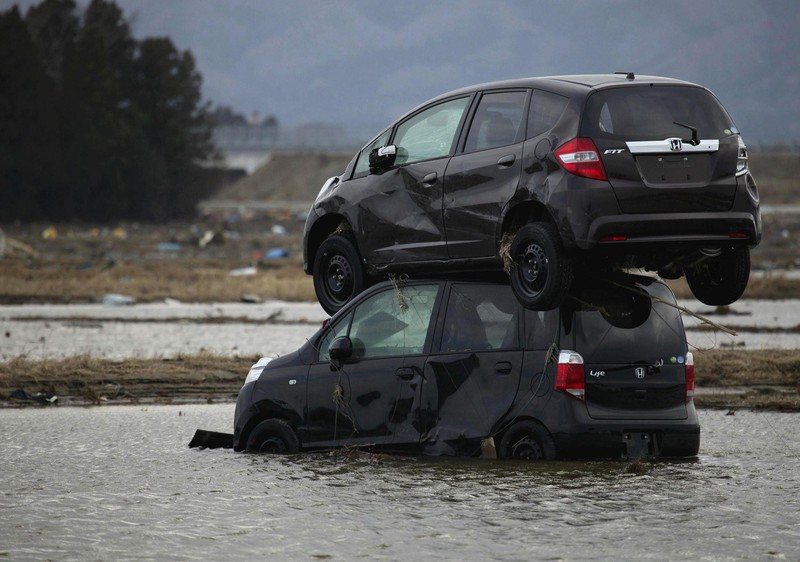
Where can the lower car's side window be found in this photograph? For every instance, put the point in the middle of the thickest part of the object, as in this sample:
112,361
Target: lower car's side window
393,322
479,318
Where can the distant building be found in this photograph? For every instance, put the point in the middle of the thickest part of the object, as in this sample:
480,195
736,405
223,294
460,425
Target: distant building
246,143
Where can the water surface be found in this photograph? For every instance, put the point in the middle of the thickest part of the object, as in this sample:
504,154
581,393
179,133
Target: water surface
120,483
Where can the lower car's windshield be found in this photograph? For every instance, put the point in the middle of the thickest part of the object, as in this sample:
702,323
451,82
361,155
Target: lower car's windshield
651,113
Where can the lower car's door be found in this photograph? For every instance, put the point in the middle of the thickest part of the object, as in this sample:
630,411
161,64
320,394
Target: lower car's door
472,379
374,398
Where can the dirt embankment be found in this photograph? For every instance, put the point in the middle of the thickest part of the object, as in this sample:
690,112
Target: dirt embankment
760,379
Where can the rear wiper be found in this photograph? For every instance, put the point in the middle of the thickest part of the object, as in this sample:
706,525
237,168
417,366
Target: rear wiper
695,140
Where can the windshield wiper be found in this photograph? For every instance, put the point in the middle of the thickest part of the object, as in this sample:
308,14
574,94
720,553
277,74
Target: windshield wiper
694,140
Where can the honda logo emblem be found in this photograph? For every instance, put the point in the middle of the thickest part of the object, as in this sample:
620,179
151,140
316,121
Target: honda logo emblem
675,145
640,371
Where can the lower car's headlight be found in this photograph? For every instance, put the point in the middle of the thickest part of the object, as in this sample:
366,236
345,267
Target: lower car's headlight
257,369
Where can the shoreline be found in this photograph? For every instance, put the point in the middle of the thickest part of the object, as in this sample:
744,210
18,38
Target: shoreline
759,380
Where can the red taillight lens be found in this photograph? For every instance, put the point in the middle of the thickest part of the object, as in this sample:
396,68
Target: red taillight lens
570,374
581,157
689,365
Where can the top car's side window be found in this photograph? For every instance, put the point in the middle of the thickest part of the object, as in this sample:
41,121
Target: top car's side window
545,110
497,121
430,133
362,164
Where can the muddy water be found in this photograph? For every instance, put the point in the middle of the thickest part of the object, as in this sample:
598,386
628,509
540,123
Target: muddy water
120,483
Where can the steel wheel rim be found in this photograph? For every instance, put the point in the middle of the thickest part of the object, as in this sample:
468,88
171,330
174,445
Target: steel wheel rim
527,448
339,277
272,445
533,266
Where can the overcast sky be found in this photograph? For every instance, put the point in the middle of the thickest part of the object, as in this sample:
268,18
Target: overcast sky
365,62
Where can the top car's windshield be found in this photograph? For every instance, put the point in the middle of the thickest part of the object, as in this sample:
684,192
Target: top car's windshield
651,113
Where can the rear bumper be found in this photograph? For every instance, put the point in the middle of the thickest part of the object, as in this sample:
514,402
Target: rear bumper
620,441
579,436
686,229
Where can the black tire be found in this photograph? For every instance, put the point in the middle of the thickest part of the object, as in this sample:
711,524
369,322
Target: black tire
527,440
541,274
273,436
338,273
720,280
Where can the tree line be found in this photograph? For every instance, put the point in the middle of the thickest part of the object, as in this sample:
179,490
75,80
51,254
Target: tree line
94,124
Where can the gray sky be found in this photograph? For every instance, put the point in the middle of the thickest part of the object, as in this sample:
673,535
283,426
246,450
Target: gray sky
364,63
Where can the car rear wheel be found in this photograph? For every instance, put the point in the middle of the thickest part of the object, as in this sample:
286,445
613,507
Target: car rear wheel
274,436
722,279
338,273
541,274
527,440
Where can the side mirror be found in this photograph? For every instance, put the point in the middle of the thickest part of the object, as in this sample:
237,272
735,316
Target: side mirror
341,350
381,159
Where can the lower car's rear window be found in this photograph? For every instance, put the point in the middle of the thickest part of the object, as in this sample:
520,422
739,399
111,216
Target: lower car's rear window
630,330
651,113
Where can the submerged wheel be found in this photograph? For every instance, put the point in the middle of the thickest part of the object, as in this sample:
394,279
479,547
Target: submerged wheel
720,280
527,440
274,436
338,273
541,275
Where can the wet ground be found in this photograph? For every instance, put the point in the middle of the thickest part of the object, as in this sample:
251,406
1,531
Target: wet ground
276,328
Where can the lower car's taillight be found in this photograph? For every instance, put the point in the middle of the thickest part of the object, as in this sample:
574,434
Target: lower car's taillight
570,374
689,365
581,157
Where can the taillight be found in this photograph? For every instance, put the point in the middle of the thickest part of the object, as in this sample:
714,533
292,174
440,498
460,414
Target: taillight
741,160
581,157
689,365
569,375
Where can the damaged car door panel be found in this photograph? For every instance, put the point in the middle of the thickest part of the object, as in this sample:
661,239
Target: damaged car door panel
445,366
613,171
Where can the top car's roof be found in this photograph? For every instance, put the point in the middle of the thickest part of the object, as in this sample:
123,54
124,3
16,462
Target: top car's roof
575,83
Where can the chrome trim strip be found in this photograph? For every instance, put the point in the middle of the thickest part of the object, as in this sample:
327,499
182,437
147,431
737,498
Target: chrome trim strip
665,146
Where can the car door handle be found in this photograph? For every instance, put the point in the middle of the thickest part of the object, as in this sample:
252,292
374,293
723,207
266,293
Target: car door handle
503,367
506,161
429,179
405,373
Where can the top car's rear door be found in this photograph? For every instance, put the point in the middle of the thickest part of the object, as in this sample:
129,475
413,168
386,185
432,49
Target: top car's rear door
665,148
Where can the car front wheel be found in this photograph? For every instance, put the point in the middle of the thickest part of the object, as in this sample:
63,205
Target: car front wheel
273,436
527,440
338,273
722,279
541,274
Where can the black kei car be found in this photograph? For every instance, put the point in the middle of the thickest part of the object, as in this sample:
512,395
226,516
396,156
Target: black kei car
456,367
550,179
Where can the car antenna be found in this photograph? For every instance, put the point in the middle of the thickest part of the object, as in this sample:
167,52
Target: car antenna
628,75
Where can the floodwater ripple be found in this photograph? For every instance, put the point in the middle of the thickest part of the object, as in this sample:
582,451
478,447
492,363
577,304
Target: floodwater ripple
120,483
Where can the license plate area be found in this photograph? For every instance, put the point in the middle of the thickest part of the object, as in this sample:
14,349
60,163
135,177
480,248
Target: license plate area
639,445
679,169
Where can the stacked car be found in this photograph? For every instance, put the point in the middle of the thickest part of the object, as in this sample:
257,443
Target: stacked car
507,215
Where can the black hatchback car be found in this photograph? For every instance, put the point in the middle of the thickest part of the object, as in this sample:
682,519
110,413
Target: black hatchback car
550,178
455,367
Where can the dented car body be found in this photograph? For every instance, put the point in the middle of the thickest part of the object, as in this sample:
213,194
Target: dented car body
611,170
443,367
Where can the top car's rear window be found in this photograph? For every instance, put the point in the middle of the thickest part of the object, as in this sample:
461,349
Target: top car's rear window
650,113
